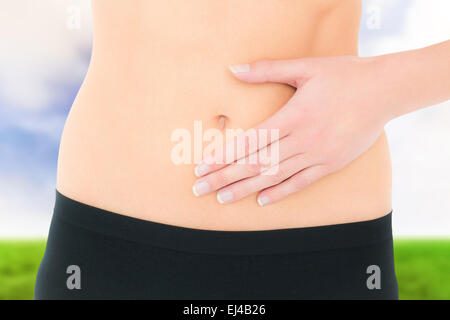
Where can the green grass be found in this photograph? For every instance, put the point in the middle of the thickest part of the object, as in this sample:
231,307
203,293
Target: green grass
422,267
19,261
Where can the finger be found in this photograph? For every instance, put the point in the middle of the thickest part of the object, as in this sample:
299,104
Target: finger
283,71
248,167
251,141
268,178
295,183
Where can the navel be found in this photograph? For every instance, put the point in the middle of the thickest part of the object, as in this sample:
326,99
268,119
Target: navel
221,121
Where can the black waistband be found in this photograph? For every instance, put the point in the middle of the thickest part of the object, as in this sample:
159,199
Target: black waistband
222,242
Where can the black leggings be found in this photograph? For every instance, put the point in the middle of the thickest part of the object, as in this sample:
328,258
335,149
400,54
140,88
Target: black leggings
96,254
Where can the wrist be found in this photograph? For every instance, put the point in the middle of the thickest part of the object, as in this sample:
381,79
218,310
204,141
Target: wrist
391,77
411,80
377,89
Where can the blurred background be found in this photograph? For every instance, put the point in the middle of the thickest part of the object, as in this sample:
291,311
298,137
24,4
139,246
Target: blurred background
44,54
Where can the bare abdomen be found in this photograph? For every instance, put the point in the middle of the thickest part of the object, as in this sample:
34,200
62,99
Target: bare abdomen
157,68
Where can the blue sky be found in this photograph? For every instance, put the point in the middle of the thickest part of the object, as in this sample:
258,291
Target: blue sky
44,54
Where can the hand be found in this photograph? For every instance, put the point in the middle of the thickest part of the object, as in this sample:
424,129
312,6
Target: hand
335,115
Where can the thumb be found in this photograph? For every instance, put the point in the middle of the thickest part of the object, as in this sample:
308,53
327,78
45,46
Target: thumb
293,72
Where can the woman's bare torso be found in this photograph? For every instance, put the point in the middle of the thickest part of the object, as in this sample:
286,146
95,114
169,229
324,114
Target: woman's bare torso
158,66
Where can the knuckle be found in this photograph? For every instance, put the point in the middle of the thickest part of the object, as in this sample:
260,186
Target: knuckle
304,64
264,63
248,187
252,169
299,182
308,177
268,68
303,179
279,175
221,179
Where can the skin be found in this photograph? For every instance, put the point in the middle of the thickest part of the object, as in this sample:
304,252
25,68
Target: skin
158,66
322,133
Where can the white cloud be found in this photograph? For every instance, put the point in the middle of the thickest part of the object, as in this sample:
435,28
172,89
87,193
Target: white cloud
424,23
51,126
37,47
25,207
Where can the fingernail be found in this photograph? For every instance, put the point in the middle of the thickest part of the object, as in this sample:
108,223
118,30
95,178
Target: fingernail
201,188
240,68
202,169
224,196
263,200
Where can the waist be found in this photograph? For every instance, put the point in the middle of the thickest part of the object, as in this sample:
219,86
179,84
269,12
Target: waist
116,155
